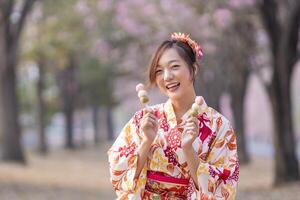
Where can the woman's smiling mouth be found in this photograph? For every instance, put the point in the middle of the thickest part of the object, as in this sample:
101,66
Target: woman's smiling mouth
172,86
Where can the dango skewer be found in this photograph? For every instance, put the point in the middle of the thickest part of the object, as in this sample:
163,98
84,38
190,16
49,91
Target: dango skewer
142,94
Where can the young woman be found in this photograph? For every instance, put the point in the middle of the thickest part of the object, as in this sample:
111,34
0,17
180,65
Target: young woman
164,152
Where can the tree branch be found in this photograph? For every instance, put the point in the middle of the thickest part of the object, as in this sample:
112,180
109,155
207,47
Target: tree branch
6,10
24,12
266,84
292,37
268,10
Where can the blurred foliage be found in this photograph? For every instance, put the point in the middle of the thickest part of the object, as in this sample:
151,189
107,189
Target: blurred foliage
96,82
57,30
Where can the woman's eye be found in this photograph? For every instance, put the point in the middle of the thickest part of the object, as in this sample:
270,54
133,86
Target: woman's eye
158,71
175,66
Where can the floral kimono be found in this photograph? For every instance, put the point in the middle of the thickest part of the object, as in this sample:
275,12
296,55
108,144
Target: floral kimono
166,174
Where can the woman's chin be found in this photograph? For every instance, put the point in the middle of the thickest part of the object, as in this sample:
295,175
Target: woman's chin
174,95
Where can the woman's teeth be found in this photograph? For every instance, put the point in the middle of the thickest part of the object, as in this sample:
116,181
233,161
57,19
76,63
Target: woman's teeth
172,86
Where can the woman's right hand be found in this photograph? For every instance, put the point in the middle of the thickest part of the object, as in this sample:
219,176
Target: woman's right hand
149,125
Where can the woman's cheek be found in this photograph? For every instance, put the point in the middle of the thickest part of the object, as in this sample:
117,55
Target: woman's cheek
161,86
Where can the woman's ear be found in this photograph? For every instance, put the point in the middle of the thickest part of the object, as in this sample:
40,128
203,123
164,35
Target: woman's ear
195,66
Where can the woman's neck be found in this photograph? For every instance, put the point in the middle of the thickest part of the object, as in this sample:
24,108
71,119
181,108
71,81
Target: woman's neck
182,105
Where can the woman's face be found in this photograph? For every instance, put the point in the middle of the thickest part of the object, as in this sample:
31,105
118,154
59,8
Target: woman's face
173,76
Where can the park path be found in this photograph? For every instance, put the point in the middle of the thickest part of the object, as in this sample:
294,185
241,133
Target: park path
83,175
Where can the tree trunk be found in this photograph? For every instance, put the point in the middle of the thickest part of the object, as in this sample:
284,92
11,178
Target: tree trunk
109,124
95,116
9,41
284,39
210,91
11,147
68,87
82,128
286,164
2,65
41,109
237,105
68,112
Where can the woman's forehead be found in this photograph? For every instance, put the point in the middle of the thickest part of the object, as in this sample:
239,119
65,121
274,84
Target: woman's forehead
168,57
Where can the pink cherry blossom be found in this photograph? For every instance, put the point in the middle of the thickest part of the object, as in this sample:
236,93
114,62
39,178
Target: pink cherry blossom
81,7
105,5
139,87
222,17
241,3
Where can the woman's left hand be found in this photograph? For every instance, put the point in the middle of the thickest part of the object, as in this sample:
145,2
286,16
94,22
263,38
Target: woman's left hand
190,133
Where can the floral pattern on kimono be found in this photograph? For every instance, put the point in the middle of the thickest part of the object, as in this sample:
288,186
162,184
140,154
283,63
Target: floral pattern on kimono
218,170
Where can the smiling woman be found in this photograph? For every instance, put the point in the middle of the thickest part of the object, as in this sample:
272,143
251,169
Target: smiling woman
165,152
173,75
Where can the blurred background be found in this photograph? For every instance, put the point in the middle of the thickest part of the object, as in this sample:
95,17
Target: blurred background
68,71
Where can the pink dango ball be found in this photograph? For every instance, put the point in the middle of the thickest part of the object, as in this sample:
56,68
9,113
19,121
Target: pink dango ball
139,87
198,100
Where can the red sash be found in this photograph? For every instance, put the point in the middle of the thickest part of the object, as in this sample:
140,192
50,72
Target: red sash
161,177
162,186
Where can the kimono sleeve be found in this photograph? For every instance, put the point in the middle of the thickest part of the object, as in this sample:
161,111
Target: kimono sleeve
218,176
123,160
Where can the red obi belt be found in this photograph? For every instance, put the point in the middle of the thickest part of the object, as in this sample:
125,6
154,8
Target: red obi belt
162,186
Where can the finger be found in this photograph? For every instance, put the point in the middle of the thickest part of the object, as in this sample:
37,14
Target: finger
193,133
190,134
153,122
191,129
194,123
191,125
149,114
149,117
152,116
196,130
146,118
193,119
147,110
190,118
146,123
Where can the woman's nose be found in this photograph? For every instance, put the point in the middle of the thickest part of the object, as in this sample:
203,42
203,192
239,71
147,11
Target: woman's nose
167,75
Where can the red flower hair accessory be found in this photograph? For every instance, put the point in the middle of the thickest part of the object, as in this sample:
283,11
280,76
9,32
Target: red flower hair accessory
186,38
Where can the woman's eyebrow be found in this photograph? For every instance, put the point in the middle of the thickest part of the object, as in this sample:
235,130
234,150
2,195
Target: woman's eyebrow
170,62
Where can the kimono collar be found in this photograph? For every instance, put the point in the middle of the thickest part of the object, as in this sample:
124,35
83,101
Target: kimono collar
171,117
170,114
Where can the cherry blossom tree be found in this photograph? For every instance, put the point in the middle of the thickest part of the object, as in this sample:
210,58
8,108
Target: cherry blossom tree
13,16
282,21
